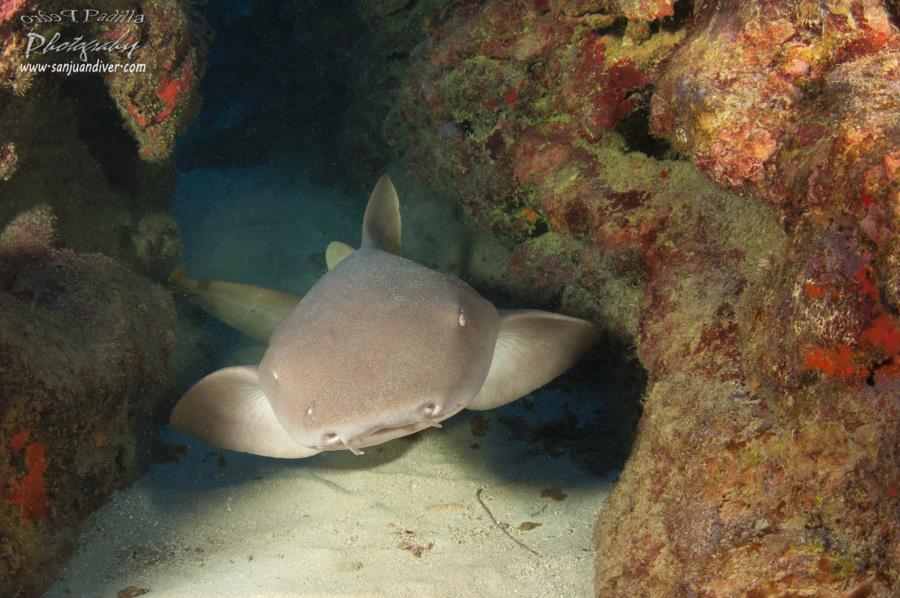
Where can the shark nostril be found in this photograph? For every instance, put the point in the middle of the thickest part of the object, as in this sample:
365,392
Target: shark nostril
330,436
429,409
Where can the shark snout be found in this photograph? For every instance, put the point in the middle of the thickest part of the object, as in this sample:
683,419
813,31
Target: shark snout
427,414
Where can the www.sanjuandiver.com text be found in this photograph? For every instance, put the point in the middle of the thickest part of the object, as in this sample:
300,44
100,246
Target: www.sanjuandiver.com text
70,68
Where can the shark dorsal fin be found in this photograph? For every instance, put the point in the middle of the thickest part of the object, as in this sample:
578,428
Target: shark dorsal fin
336,253
381,224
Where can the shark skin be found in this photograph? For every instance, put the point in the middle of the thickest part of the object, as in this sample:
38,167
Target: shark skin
255,311
379,348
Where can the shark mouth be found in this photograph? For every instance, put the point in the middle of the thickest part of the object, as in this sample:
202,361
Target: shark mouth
355,444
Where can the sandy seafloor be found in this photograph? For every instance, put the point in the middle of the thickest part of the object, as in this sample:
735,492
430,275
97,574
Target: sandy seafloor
401,520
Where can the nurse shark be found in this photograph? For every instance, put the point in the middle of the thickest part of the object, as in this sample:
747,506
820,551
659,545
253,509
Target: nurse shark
380,347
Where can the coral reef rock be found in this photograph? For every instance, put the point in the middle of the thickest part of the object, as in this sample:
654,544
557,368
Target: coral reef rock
755,271
153,83
796,106
96,146
85,350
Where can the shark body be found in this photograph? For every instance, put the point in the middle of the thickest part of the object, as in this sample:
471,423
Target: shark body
380,347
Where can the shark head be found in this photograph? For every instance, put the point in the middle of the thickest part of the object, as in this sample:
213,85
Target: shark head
381,347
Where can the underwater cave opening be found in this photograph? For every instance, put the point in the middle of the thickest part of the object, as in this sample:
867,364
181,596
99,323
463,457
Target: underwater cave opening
277,86
258,199
635,129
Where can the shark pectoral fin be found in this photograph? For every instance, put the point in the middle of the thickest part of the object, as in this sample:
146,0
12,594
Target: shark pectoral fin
228,409
381,223
533,347
337,252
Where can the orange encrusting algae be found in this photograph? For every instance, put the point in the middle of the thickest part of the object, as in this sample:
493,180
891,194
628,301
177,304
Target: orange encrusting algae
29,493
881,336
170,91
837,361
884,334
17,442
529,215
813,291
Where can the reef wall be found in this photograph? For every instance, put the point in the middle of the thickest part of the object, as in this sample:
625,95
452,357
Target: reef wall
85,371
89,359
718,183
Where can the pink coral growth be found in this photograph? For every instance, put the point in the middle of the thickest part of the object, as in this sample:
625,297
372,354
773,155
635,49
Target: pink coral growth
32,229
9,8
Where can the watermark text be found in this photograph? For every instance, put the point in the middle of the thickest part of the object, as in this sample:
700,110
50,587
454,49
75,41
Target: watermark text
70,68
83,15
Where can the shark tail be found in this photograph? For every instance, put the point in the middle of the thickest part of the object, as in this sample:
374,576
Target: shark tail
179,278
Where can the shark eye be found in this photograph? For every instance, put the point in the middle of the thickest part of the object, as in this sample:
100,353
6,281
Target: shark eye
462,317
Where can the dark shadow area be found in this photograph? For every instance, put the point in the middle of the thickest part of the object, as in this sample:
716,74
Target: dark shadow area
589,415
100,127
635,128
684,11
276,86
211,467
